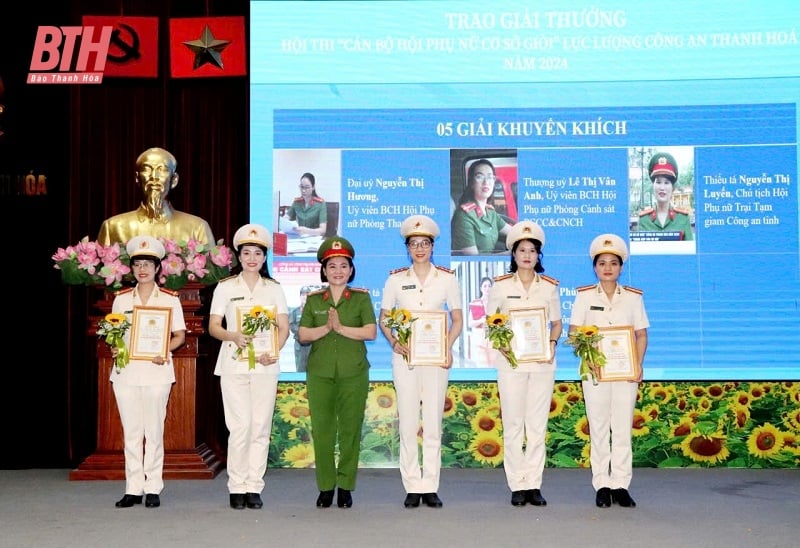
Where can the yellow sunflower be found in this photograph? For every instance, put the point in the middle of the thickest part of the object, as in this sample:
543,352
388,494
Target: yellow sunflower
584,461
485,422
294,411
299,456
697,391
382,401
651,412
794,419
639,425
715,391
683,428
487,448
757,391
556,406
470,397
705,448
765,441
791,443
659,393
582,428
743,398
741,414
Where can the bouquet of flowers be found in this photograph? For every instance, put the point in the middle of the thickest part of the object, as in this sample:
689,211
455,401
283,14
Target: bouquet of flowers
500,334
113,327
257,319
584,342
89,263
400,320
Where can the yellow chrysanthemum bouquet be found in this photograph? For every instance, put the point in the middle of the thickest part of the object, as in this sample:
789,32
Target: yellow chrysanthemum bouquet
400,320
500,334
113,327
257,319
584,342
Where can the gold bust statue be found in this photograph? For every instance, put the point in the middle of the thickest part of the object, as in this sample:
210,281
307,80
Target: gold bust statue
156,175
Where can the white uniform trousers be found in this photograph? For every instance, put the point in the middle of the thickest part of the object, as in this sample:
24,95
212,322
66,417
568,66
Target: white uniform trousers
609,410
426,384
525,399
142,411
249,403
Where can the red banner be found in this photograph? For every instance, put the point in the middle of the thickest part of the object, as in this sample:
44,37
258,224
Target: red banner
133,52
202,47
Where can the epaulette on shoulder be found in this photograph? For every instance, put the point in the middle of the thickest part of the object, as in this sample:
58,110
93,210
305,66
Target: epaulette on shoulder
318,199
444,269
548,279
471,206
318,291
398,270
586,287
633,289
271,280
503,277
298,199
227,278
123,291
359,290
646,211
681,210
171,292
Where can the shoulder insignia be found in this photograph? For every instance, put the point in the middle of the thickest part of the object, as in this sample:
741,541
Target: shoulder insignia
646,211
123,291
633,289
503,277
228,278
298,199
471,206
681,211
398,270
317,199
359,290
318,291
271,281
548,279
586,287
444,269
171,292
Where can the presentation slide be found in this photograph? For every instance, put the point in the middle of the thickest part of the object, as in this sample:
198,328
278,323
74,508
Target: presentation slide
672,124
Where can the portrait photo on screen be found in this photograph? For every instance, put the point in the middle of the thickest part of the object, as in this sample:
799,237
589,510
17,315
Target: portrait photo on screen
483,187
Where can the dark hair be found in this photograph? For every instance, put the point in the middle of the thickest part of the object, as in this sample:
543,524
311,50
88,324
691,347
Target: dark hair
485,279
313,180
324,278
538,268
594,261
264,270
469,193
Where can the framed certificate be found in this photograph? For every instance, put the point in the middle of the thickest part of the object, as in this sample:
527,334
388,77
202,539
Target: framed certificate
622,362
150,332
530,342
263,341
428,341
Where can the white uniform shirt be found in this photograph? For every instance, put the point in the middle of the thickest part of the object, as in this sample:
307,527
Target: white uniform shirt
145,372
592,307
231,294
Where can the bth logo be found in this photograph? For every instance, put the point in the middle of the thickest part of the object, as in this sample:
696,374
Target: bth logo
55,47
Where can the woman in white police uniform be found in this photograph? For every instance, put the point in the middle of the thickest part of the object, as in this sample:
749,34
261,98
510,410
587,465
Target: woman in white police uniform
142,387
610,404
526,392
427,287
248,395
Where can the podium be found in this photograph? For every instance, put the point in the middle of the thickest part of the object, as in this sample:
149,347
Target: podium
190,435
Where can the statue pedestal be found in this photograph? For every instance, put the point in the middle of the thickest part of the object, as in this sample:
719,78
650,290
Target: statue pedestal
189,432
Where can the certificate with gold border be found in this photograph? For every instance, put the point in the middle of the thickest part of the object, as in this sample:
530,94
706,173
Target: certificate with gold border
151,327
263,341
619,346
530,342
428,341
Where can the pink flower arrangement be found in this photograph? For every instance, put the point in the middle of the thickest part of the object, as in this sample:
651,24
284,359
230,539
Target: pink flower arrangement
91,264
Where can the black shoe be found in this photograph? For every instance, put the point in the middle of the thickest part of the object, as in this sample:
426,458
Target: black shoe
128,500
432,500
623,498
344,499
412,500
603,497
534,496
152,500
237,501
325,499
253,500
518,498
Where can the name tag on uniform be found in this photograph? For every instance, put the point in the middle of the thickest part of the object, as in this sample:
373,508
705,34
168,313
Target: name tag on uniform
514,297
597,308
237,299
414,286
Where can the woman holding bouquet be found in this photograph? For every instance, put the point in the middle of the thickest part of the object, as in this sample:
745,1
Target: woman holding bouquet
142,387
337,320
610,404
248,393
422,286
526,391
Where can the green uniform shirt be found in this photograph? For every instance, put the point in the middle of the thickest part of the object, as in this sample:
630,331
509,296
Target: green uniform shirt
467,229
310,217
334,355
677,221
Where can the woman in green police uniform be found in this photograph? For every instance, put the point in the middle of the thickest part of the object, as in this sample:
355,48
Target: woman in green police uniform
309,209
336,320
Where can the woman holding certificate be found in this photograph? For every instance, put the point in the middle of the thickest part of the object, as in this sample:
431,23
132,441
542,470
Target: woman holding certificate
610,402
337,320
429,293
530,300
142,385
253,305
